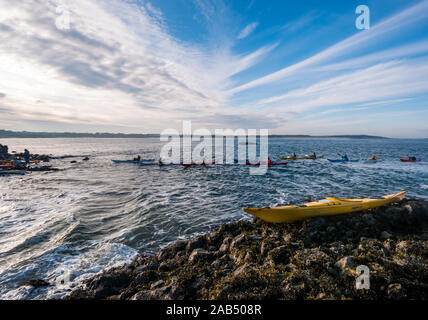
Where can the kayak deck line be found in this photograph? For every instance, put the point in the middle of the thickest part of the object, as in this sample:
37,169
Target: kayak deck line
326,207
302,158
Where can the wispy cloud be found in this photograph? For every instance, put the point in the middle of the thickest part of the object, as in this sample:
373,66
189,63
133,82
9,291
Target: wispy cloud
409,16
358,107
119,66
248,30
117,63
384,80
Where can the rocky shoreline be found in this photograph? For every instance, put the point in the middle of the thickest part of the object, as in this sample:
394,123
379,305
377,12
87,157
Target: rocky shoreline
5,155
313,259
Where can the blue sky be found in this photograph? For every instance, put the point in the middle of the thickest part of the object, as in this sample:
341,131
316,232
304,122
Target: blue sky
144,66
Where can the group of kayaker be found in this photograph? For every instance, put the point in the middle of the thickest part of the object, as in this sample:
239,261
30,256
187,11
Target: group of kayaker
15,166
25,156
344,158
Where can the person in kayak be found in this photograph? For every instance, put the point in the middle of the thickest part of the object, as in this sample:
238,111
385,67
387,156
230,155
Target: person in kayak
412,158
345,158
26,156
314,155
294,155
373,158
269,161
138,158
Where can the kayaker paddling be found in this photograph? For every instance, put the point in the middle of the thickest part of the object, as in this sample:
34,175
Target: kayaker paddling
26,156
409,159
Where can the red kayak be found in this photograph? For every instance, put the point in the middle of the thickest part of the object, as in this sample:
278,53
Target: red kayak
270,164
6,167
410,160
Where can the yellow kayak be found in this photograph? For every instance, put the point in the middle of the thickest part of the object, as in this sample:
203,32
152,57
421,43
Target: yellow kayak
326,207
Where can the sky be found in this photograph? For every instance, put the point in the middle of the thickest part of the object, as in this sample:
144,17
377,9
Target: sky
293,67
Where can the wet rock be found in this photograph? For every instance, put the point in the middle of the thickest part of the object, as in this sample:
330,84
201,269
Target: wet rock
108,284
142,295
369,219
409,208
241,270
151,265
157,284
238,256
253,237
314,259
331,229
37,283
278,255
385,235
401,247
199,255
225,245
164,266
396,291
345,262
238,241
265,247
220,262
146,277
194,244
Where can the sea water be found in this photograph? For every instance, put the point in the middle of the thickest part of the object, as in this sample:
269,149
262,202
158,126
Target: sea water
95,214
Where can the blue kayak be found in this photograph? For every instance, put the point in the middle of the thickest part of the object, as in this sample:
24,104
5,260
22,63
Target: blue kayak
12,172
341,160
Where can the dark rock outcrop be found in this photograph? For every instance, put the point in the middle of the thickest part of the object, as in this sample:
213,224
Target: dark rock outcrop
4,153
313,259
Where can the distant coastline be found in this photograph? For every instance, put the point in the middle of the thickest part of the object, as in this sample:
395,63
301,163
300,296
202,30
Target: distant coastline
29,134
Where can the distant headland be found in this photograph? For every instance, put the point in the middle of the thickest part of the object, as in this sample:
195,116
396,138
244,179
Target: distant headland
29,134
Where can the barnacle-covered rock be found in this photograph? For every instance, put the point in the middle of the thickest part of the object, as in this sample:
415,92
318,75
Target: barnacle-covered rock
320,258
